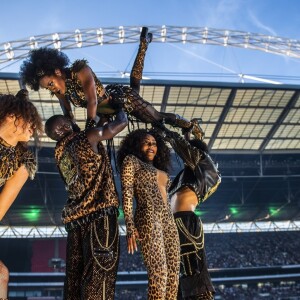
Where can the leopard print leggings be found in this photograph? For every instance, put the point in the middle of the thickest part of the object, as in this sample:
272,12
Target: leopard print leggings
161,257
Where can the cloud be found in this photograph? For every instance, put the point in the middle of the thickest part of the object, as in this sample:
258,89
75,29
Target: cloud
260,25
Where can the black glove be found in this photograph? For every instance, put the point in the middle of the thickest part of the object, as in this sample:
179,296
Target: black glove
90,123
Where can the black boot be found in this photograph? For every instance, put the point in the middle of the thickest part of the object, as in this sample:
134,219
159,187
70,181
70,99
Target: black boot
138,66
146,36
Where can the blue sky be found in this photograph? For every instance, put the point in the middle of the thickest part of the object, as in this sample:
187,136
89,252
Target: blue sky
22,19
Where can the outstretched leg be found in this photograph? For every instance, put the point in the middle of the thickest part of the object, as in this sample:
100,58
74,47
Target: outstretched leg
138,65
135,105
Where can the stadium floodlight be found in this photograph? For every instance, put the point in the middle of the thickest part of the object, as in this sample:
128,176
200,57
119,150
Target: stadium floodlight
100,37
78,38
205,35
163,33
208,36
246,43
33,43
9,51
226,38
121,34
56,40
184,35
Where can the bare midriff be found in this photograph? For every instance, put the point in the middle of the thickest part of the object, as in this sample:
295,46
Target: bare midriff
184,199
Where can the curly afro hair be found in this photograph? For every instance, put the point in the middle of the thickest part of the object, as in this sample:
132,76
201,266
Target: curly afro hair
21,107
42,62
131,144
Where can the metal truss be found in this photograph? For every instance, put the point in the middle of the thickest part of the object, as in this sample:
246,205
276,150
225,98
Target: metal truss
18,49
222,227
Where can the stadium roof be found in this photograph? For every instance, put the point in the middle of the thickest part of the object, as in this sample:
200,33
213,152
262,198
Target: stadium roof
237,117
248,123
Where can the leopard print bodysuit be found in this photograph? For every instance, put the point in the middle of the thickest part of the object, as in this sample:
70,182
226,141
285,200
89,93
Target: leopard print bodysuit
155,224
121,96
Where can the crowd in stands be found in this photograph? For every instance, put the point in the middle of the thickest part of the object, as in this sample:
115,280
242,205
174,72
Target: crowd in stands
252,249
228,250
266,291
237,250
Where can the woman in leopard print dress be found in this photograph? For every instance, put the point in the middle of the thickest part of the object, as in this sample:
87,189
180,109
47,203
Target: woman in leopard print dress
19,120
144,158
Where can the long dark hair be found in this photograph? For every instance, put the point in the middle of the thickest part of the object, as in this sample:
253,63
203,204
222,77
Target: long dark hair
131,144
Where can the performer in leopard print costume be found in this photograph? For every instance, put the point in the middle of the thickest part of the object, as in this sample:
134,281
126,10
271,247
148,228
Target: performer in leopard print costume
78,84
197,181
19,120
143,158
91,212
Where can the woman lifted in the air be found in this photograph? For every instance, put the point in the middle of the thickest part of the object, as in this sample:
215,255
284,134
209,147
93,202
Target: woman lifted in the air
49,68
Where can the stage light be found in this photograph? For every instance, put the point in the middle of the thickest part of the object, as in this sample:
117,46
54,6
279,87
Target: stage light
121,214
163,33
9,51
199,213
121,34
32,214
33,43
100,37
56,40
233,210
78,38
273,211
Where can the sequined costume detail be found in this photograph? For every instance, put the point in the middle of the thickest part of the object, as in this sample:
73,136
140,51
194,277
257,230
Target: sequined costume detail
11,160
155,224
91,219
195,282
117,96
87,175
92,259
200,174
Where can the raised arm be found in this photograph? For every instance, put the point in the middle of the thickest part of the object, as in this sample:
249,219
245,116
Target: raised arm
109,130
11,189
128,174
85,75
189,154
65,106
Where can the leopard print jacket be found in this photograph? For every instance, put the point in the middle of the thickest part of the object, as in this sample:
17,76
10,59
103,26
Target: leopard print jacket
87,175
12,158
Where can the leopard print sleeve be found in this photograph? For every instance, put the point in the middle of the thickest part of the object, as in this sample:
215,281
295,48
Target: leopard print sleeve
30,163
128,173
27,158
